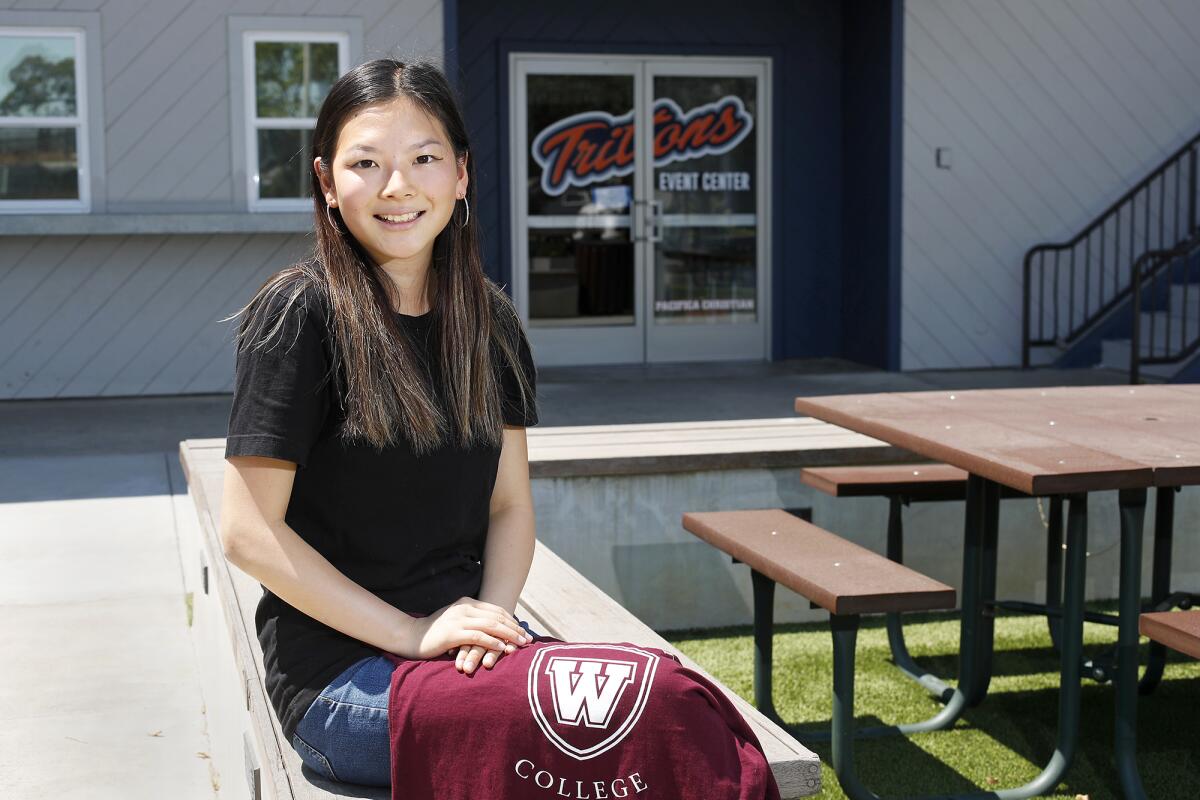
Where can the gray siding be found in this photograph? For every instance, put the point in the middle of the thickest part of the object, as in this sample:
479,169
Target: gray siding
167,88
1051,109
91,316
138,314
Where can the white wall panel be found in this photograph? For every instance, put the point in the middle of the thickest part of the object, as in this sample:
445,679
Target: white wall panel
1051,110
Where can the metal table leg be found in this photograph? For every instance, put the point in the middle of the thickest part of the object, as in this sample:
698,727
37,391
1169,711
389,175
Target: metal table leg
987,591
844,631
978,587
972,608
764,700
895,625
1054,556
1160,581
1133,510
764,629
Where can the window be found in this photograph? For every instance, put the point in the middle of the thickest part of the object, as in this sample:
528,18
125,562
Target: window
287,78
43,108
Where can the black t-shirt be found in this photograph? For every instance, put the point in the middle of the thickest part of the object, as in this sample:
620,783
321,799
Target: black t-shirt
410,529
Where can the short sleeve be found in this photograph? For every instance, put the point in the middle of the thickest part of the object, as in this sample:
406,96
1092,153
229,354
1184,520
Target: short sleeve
281,392
514,411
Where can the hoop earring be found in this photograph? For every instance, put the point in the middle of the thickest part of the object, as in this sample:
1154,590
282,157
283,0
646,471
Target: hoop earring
329,217
468,219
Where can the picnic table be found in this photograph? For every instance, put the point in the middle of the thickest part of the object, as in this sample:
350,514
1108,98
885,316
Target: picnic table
1059,441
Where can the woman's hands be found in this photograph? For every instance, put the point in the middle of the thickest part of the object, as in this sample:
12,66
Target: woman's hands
468,658
470,627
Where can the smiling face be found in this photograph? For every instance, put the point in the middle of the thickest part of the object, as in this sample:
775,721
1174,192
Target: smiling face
393,161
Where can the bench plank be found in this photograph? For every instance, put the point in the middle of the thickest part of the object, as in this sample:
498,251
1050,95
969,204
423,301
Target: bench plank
917,481
1178,630
557,600
838,575
691,446
661,447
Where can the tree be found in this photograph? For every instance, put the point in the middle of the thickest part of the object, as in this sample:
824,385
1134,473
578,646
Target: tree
40,88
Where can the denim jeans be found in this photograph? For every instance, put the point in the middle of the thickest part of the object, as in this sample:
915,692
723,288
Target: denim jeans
344,734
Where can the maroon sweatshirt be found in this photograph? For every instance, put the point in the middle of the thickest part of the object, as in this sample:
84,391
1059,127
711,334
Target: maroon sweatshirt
581,721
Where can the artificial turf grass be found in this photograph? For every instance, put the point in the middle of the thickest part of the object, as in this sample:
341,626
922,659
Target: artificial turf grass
1002,743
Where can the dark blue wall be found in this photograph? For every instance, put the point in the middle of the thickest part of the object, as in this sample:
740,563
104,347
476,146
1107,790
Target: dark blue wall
872,58
806,42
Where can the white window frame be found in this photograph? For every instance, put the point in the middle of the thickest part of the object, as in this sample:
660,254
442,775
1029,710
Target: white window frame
82,205
254,122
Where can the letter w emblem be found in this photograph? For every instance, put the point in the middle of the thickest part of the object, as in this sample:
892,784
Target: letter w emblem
587,690
597,691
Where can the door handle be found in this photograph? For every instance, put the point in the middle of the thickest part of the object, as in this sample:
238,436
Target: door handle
654,220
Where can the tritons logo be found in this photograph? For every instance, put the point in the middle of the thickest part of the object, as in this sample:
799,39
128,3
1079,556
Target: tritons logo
594,146
586,698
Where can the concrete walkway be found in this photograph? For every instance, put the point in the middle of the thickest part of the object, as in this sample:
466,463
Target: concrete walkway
99,696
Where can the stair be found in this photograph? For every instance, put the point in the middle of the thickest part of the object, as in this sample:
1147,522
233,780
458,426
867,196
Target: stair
1079,291
1173,328
1045,355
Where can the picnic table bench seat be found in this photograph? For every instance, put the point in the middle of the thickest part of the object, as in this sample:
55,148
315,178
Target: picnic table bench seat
840,576
919,482
902,484
834,573
1178,630
557,601
913,481
845,579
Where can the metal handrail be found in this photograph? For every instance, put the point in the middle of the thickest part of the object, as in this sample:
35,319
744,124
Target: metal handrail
1120,234
1150,267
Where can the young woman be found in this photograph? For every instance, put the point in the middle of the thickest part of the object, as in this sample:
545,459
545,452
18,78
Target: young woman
377,479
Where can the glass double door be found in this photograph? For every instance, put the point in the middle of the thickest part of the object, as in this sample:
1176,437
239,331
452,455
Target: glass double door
631,248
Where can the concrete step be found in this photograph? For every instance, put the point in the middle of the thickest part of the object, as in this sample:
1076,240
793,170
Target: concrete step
1114,354
1182,293
1172,298
1044,356
1166,332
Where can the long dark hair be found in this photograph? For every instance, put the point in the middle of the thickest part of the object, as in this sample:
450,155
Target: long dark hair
385,391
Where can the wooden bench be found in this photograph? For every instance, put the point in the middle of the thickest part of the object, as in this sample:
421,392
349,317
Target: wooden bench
1178,630
912,482
845,579
557,601
902,484
665,447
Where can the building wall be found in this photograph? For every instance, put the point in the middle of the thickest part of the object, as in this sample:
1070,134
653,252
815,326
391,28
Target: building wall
138,314
93,316
805,42
1051,110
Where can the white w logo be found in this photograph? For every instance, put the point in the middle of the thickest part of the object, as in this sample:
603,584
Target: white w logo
582,694
586,690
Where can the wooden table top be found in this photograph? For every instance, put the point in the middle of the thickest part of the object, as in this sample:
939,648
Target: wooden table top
1038,441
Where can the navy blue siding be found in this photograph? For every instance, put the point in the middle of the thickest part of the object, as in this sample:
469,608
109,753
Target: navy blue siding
805,42
872,122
